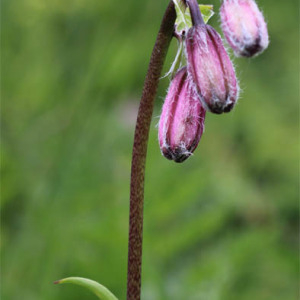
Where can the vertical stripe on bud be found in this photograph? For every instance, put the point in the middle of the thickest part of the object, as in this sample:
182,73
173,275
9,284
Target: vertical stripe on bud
182,120
244,27
211,69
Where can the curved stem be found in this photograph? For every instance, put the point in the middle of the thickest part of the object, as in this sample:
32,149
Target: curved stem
140,150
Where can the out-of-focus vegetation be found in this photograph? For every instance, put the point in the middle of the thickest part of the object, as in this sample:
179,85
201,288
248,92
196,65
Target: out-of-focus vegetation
221,226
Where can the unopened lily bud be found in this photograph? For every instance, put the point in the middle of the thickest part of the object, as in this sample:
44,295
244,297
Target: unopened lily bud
211,69
244,27
182,120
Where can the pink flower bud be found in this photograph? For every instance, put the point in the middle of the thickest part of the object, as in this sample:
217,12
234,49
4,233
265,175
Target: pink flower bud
244,27
211,69
182,120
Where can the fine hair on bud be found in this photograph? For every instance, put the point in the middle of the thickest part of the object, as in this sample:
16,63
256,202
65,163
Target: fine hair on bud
181,122
244,27
211,69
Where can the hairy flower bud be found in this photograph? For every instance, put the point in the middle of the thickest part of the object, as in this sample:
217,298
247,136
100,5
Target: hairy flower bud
182,120
244,27
211,69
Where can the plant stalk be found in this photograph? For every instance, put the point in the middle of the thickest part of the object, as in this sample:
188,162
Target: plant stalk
140,150
195,12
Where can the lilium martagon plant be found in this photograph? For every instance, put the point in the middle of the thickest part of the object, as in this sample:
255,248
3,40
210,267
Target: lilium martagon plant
207,83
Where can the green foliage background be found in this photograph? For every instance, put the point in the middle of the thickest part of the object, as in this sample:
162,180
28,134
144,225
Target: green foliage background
221,226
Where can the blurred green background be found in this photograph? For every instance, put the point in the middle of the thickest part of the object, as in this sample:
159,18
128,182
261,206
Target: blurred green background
221,226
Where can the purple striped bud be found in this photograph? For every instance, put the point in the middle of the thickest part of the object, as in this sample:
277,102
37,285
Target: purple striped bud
211,69
244,27
181,123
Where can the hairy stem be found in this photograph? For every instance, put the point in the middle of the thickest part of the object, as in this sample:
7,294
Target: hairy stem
140,150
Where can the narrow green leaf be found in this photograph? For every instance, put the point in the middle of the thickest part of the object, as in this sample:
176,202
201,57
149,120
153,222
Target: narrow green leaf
99,290
177,63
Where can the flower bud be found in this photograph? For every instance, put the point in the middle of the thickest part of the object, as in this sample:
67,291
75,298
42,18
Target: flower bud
211,69
244,27
182,120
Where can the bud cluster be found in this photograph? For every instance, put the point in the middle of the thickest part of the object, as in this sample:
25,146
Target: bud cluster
208,82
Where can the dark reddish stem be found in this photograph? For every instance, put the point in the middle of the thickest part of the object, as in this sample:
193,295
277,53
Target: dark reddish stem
195,12
140,150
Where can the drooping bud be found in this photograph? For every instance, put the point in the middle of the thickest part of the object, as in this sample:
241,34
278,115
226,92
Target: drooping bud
211,69
182,120
244,27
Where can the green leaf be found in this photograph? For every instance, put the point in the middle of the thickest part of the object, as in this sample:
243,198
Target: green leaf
184,21
99,290
207,12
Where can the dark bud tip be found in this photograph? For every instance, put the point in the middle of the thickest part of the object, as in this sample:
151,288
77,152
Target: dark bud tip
229,107
167,153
